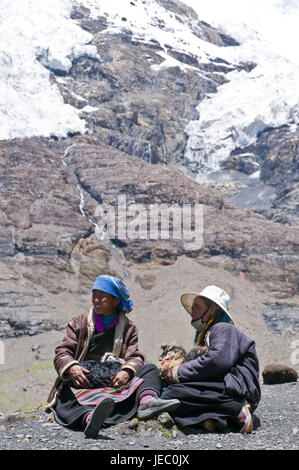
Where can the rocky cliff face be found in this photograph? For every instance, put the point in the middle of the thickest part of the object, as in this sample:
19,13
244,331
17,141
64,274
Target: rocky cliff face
140,106
49,243
51,247
274,159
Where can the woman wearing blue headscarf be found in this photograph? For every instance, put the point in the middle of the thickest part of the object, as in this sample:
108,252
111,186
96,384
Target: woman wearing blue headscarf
104,329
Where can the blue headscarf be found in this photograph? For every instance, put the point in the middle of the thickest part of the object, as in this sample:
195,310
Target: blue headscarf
116,287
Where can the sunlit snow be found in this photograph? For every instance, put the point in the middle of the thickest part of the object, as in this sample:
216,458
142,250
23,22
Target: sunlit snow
268,96
30,105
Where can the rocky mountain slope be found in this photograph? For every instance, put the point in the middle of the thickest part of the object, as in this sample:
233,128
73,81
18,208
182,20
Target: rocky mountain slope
136,103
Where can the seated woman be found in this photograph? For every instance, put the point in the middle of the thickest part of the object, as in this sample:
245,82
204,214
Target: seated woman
105,328
220,387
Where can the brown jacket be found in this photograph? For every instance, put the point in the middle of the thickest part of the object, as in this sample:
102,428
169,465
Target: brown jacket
76,341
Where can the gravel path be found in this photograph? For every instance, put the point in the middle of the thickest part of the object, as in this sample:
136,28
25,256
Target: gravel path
275,428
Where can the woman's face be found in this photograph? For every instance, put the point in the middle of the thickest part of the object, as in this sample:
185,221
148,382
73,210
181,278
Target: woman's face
103,303
201,310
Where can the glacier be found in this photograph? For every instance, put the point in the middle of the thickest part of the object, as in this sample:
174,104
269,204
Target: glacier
37,36
30,105
267,96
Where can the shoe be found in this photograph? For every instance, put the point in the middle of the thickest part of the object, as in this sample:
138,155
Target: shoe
245,420
155,406
101,412
209,425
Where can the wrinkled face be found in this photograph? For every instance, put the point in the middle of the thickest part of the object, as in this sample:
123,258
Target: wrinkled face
103,303
203,311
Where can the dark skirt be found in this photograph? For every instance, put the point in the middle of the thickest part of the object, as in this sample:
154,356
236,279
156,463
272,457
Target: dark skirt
69,412
201,401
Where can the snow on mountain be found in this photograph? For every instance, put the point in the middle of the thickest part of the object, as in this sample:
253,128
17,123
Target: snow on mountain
148,21
37,36
29,104
267,96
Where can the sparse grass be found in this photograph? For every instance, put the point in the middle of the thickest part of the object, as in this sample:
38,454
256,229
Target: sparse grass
165,432
11,386
36,367
30,409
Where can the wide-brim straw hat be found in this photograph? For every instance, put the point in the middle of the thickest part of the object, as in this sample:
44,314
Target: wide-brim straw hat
214,293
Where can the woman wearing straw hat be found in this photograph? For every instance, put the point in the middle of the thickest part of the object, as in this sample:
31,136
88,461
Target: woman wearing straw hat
221,387
105,328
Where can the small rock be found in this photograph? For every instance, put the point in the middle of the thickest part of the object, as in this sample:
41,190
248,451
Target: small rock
219,446
133,424
125,430
166,420
278,374
147,427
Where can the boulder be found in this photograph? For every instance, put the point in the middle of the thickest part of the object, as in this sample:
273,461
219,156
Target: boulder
279,374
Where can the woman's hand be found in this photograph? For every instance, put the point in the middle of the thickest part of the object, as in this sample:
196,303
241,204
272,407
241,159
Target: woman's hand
78,376
121,378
